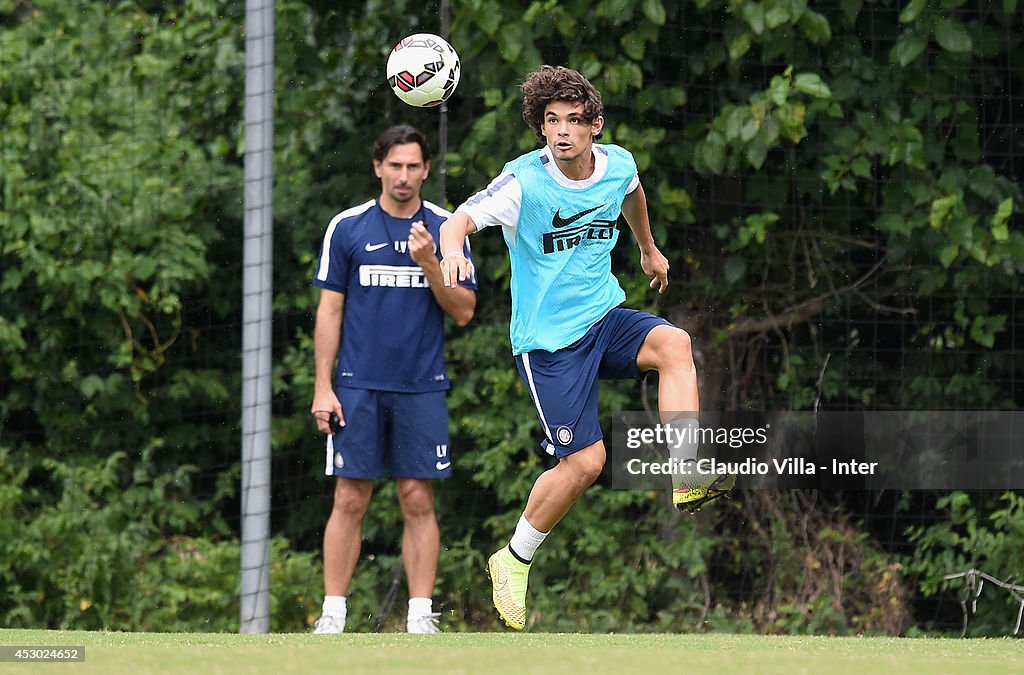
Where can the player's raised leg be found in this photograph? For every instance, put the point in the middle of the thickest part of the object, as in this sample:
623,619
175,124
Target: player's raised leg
342,541
669,351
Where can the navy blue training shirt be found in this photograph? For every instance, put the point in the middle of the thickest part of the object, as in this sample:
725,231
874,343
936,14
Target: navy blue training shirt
392,335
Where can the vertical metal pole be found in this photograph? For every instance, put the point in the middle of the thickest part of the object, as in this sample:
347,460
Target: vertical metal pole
442,131
257,282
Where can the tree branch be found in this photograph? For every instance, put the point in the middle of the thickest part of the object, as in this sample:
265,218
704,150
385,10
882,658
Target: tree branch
802,312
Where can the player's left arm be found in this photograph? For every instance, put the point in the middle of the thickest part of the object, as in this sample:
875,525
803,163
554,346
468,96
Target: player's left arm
457,301
653,263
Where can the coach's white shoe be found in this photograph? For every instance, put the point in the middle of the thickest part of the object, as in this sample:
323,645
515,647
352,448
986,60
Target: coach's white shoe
329,624
426,624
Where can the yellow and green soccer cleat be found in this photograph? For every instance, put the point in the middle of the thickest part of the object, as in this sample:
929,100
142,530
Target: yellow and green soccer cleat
691,498
508,587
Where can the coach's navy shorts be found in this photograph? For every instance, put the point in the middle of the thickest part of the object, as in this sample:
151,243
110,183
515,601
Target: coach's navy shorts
390,433
563,384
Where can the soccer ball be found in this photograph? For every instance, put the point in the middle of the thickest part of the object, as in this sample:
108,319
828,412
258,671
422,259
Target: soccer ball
423,70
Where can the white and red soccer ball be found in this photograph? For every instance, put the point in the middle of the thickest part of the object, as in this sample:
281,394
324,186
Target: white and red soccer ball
423,70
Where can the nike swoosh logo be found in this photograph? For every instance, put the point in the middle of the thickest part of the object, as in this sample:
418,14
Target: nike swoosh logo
370,248
498,579
559,221
442,467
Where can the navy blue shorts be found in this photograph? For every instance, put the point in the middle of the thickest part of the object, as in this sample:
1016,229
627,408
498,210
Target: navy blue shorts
390,433
563,384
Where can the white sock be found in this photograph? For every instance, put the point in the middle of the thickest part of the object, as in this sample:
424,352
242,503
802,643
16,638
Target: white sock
684,447
420,607
684,440
526,540
335,605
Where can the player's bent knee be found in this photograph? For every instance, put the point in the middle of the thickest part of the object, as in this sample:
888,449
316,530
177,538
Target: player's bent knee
586,467
589,473
669,347
678,343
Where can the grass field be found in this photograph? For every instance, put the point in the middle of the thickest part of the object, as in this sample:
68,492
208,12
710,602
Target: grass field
378,654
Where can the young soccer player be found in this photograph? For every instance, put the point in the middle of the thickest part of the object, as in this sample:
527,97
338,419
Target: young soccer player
557,208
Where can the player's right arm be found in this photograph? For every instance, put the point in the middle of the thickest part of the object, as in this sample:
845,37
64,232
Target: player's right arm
498,204
326,339
455,266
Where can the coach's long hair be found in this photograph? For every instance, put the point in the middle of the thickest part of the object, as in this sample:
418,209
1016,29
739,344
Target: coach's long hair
400,134
557,83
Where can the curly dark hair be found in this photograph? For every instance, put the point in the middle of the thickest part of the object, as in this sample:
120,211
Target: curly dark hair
557,83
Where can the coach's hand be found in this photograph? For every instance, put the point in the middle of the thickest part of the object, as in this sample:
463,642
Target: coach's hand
324,404
421,245
655,266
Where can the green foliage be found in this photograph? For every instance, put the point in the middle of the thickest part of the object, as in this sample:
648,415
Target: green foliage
812,570
111,210
877,158
980,532
825,180
109,550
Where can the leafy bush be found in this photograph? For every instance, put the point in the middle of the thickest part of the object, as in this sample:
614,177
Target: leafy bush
794,562
113,550
833,185
981,532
